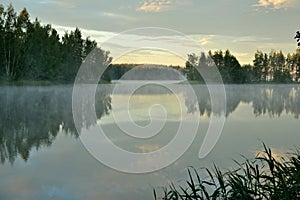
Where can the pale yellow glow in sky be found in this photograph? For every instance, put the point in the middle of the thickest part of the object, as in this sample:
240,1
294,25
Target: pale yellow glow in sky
243,47
151,57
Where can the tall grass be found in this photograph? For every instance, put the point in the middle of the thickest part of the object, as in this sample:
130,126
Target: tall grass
264,177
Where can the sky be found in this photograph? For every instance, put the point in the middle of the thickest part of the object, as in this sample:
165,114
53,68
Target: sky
240,26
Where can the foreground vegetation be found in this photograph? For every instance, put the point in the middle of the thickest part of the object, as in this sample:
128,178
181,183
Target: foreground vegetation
265,177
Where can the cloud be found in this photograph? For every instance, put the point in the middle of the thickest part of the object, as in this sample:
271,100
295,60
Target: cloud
206,39
203,39
118,16
274,4
155,5
99,36
250,39
61,4
243,47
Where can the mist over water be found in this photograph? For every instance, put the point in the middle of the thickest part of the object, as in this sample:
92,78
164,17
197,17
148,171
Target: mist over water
42,157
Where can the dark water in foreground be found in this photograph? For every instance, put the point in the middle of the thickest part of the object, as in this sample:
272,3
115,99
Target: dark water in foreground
42,156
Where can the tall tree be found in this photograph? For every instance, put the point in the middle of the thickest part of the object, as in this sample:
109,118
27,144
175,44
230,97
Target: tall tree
2,69
23,23
258,65
88,46
10,44
297,37
73,54
217,57
281,74
261,62
42,57
296,61
272,63
191,68
290,65
280,61
233,68
13,32
32,51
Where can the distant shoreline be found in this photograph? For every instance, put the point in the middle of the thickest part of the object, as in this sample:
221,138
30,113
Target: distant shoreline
55,83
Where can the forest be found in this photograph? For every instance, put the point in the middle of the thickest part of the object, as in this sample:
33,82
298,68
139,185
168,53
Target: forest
32,51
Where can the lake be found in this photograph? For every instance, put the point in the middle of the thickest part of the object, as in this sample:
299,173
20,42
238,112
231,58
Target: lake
43,156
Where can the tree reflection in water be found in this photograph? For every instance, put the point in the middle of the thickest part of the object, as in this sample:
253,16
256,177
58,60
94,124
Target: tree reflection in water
265,99
31,117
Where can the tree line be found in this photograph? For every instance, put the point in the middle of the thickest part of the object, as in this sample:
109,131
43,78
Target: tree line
273,67
32,51
142,72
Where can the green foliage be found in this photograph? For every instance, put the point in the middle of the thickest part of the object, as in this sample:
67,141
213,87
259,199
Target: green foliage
265,177
192,73
296,63
282,76
261,67
297,37
116,71
142,72
233,67
32,51
273,67
229,67
41,57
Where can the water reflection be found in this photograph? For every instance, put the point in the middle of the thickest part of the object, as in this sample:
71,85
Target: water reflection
264,99
31,117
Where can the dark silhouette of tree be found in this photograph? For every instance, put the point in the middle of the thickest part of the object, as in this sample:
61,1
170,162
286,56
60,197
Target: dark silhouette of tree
42,56
296,60
32,51
229,67
2,55
191,65
10,43
282,76
73,54
88,46
261,67
297,37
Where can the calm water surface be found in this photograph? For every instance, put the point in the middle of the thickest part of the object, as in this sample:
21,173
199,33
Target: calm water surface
42,156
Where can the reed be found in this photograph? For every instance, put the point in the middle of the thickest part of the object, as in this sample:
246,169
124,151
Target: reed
264,177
